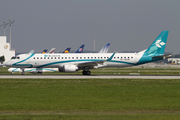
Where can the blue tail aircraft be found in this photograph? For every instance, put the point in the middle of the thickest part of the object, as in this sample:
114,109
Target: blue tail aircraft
80,49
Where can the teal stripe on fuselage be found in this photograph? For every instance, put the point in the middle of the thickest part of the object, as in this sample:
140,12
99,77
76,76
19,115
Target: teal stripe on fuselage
24,60
14,70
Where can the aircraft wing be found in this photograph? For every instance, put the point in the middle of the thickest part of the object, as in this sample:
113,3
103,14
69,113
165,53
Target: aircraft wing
164,56
95,64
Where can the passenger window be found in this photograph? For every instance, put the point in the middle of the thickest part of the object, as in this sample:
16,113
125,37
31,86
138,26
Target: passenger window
44,57
34,58
84,57
65,57
72,57
62,57
76,57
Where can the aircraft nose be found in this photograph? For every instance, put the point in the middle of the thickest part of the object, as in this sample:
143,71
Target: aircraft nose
8,64
9,70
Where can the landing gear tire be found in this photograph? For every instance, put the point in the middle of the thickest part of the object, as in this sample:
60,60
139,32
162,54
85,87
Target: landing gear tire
22,73
86,72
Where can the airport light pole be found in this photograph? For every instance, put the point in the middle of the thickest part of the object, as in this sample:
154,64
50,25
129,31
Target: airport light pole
5,26
94,45
10,23
1,26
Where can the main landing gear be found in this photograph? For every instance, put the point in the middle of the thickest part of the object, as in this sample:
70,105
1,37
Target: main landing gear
22,73
86,72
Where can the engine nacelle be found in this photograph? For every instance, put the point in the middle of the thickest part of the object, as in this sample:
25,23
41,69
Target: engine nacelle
68,68
37,70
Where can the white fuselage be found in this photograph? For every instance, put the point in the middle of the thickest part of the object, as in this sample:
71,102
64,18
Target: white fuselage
58,60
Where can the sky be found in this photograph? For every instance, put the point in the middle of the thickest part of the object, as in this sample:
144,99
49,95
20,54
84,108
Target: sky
129,25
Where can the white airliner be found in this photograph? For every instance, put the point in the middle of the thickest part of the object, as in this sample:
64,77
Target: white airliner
73,62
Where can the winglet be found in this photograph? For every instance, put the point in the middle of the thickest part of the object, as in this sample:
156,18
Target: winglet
109,59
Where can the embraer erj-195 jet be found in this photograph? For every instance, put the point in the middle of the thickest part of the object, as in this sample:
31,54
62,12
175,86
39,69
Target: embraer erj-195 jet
73,62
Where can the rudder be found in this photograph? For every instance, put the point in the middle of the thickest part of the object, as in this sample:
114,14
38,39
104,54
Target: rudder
158,46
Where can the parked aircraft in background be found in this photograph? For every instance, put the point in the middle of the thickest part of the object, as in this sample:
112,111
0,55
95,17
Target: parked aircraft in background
73,62
105,48
80,49
67,50
44,51
52,50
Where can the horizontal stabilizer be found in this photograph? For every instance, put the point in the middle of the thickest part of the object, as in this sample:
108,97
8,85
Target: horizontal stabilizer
164,56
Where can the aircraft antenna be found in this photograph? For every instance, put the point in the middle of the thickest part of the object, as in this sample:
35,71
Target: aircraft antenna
10,23
5,26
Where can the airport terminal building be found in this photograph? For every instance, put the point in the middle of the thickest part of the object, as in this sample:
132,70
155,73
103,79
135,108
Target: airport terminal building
5,49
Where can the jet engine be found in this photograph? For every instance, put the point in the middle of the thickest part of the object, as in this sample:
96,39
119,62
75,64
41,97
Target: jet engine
68,68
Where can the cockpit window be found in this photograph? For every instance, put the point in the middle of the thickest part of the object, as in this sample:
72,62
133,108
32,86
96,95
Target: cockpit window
13,58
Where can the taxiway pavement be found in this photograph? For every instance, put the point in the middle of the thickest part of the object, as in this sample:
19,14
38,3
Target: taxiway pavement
86,77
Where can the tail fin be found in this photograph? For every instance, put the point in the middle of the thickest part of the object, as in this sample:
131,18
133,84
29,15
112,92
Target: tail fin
52,50
67,50
158,46
80,49
105,48
44,51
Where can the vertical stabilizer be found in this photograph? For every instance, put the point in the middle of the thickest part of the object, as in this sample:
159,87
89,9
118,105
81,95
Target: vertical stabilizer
158,46
67,50
105,48
80,49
